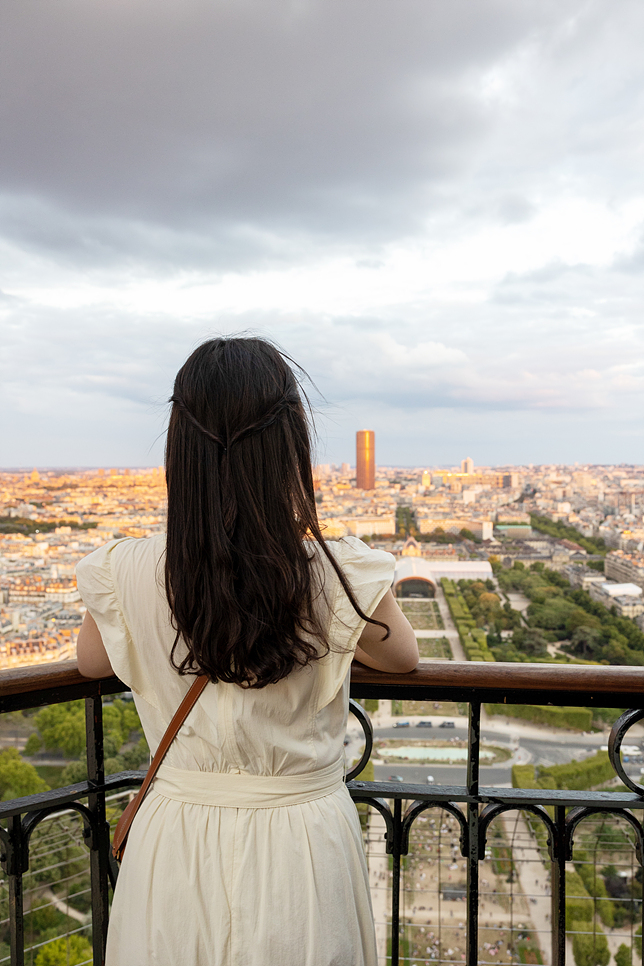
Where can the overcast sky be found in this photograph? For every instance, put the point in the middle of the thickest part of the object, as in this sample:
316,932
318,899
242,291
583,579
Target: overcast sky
435,206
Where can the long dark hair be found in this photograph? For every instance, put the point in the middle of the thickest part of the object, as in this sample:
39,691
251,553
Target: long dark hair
238,576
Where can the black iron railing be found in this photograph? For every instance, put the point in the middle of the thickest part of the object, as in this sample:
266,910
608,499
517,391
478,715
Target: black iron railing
473,806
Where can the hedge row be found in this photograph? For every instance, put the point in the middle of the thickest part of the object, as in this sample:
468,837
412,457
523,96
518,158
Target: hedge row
575,776
589,943
591,949
579,718
523,776
370,705
581,775
579,905
595,885
472,638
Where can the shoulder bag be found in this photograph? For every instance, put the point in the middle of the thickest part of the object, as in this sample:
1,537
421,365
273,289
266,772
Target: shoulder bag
123,826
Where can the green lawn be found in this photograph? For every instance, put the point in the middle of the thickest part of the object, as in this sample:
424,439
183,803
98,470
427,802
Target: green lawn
434,647
423,615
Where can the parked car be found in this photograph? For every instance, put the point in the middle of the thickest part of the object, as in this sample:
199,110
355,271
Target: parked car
395,778
430,779
423,724
447,724
401,724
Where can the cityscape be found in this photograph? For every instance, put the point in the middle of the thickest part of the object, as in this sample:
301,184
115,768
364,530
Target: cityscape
585,522
493,563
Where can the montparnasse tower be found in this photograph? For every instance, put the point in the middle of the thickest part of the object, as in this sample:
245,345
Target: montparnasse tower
365,459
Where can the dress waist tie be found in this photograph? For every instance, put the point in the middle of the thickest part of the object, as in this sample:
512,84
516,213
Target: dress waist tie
241,790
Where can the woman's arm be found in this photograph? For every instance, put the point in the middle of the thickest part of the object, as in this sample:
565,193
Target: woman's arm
399,653
91,655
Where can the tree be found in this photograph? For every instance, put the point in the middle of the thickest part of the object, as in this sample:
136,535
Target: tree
563,531
530,641
370,705
623,956
551,615
18,777
120,719
585,641
61,727
590,949
66,951
75,772
579,618
59,853
468,535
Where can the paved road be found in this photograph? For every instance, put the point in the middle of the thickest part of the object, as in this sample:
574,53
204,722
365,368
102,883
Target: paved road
442,774
549,748
552,748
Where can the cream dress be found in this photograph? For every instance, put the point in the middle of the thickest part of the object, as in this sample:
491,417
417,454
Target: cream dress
247,850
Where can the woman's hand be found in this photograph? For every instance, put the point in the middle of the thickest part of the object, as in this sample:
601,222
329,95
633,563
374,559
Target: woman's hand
91,655
399,652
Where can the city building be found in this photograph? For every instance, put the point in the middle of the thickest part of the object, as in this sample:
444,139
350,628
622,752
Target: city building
581,577
514,531
625,567
625,598
514,524
365,459
53,518
358,526
482,529
418,577
456,480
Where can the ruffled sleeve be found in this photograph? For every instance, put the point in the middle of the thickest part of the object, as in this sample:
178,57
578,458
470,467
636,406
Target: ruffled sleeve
98,588
370,574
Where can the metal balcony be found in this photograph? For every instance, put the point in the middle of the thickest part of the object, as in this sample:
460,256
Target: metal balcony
472,806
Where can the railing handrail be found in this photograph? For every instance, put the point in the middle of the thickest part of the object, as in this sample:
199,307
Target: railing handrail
485,675
473,805
515,681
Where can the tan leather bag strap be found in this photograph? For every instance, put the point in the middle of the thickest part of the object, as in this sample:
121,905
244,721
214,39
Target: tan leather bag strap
122,829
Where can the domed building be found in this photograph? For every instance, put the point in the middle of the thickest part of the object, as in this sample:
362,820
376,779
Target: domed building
417,577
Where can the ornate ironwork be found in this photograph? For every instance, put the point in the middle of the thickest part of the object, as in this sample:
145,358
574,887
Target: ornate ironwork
365,722
473,806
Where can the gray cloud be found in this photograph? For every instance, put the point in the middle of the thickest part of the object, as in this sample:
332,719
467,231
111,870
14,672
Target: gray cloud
121,122
148,140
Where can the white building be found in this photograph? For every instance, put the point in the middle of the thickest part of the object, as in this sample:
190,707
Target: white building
625,598
480,528
417,573
358,526
62,595
625,566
